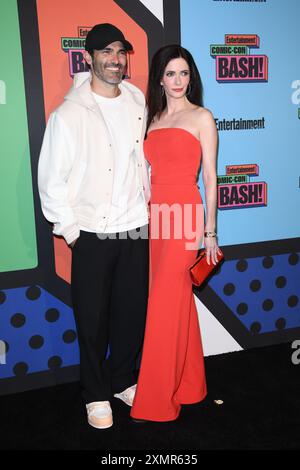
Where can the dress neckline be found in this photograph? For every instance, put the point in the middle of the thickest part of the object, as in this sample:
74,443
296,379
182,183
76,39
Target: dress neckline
177,128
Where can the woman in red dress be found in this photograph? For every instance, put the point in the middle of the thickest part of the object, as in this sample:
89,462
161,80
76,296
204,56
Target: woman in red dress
181,135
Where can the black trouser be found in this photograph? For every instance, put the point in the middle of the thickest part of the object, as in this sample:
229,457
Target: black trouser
109,293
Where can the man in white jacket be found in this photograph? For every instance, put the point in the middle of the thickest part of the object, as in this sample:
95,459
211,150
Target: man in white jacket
94,188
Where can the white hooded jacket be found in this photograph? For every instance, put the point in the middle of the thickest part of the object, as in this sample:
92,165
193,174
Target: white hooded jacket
76,166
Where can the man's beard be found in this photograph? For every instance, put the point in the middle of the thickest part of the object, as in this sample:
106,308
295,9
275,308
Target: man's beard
112,80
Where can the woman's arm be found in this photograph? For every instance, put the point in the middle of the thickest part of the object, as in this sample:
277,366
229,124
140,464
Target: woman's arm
209,144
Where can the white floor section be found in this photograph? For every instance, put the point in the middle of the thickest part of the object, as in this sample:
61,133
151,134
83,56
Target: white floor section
215,339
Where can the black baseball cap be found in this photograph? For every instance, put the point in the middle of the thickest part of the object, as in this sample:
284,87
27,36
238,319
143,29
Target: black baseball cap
103,34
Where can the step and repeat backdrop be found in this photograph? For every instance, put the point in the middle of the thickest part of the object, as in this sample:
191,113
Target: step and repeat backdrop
246,52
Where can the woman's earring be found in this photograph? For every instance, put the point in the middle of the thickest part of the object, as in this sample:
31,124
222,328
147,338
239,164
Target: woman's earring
162,90
189,89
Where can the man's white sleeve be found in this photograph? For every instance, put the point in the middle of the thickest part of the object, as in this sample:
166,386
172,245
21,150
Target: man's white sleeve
55,164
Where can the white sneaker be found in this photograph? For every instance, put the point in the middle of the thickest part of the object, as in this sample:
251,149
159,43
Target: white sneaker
127,395
99,414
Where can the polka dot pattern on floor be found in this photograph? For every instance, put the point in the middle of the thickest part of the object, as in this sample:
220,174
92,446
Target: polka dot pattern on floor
262,292
38,331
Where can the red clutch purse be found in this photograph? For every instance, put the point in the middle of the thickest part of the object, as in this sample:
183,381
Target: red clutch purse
200,269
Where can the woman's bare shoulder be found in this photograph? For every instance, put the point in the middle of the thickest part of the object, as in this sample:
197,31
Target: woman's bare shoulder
205,119
204,114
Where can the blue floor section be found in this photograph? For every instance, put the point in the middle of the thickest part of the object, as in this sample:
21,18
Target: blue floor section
38,331
261,292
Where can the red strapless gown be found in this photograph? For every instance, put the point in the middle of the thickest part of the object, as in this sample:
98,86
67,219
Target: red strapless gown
172,367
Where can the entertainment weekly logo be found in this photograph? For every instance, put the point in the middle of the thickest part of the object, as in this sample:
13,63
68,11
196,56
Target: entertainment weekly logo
75,47
235,191
234,63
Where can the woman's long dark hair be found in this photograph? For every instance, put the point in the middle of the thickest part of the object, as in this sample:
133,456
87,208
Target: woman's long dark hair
155,100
